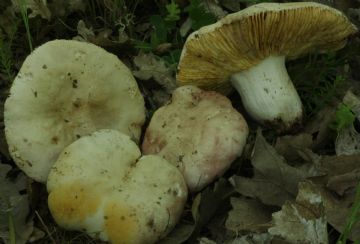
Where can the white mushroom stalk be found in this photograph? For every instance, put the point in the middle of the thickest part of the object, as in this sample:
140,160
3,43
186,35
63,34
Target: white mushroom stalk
268,93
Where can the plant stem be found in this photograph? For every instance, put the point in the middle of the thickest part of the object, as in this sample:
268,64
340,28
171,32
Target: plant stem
24,14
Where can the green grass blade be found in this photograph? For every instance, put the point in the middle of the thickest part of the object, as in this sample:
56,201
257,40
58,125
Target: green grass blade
25,17
12,235
353,219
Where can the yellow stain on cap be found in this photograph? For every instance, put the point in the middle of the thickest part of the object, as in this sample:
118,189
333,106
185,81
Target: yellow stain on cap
121,224
73,203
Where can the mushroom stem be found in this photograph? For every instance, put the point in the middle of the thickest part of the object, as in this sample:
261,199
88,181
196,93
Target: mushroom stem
268,93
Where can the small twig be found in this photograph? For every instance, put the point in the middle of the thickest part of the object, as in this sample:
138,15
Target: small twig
45,227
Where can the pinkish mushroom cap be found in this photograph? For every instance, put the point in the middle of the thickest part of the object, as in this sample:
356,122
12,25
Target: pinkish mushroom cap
199,132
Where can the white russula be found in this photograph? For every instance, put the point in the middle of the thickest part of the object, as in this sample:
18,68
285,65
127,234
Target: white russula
63,91
199,132
100,184
249,49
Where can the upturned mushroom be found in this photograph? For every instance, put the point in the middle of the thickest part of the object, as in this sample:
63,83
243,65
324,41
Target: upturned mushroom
250,47
100,184
199,132
65,90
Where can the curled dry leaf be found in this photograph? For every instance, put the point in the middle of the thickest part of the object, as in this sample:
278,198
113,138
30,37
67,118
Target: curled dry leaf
14,206
303,221
149,66
100,38
185,27
37,7
212,6
84,33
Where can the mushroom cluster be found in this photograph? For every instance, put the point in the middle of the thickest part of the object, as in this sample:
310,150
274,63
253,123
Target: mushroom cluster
74,116
72,119
249,48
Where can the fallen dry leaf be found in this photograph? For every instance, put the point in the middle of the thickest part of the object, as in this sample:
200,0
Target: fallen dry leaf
204,240
341,183
266,191
212,6
319,128
352,101
274,180
348,139
203,209
262,238
303,221
232,5
268,164
84,33
179,235
289,145
347,142
101,38
149,66
37,7
15,206
342,172
60,8
185,28
248,215
337,209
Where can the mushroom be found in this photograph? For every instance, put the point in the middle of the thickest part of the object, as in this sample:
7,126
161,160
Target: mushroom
249,48
199,132
65,90
100,184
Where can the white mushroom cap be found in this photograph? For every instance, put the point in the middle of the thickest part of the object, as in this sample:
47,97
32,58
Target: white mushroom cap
199,132
64,90
100,185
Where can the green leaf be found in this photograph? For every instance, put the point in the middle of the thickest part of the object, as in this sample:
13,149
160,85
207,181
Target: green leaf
160,34
142,45
173,58
173,11
344,117
198,15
